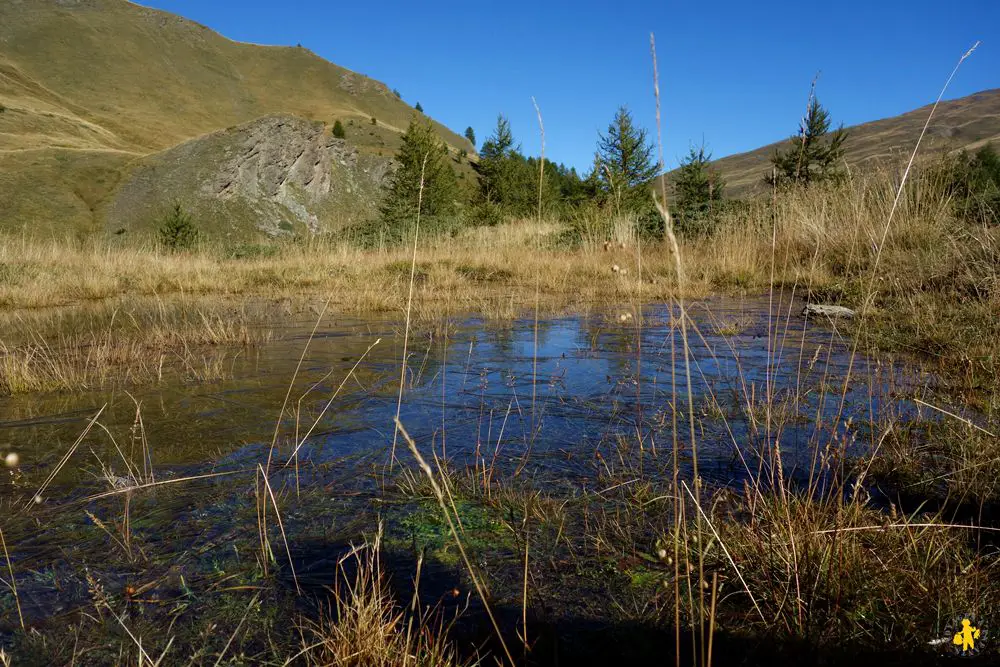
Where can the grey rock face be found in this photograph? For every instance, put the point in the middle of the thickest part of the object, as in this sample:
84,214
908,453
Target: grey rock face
821,310
286,161
277,175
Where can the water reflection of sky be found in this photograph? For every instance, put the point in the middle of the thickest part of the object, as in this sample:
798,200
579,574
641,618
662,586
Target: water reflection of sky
472,394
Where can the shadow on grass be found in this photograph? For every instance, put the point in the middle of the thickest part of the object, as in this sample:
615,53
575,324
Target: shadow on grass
560,636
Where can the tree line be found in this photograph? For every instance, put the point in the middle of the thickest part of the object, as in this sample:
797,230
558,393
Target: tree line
620,182
511,185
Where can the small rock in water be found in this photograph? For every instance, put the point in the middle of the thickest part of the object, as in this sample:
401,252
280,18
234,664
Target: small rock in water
815,309
12,459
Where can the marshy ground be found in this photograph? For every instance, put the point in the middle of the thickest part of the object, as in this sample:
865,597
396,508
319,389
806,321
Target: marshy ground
620,466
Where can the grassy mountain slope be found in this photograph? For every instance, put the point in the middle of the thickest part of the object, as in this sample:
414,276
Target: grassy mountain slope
56,192
94,86
967,122
131,77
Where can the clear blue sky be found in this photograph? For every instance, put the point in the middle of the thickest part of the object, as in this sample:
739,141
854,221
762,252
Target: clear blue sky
735,73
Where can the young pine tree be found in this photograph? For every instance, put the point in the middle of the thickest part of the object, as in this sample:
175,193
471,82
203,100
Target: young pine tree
420,153
974,184
501,143
508,183
177,231
338,130
494,168
470,134
418,107
698,192
813,154
626,164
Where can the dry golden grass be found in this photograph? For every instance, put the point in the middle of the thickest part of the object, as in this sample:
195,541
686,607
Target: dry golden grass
131,341
833,572
367,627
465,270
935,282
821,236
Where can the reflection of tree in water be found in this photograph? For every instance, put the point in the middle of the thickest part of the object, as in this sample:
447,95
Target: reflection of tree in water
545,328
506,336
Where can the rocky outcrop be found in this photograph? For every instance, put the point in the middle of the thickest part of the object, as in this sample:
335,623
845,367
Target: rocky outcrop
282,160
278,175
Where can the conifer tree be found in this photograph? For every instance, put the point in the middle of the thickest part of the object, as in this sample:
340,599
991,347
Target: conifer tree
503,180
421,152
177,232
813,154
501,142
698,193
626,164
470,134
338,130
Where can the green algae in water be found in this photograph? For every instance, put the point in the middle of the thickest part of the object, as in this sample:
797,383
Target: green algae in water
427,528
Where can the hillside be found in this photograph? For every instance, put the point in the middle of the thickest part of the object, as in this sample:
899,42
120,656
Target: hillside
90,88
273,175
967,122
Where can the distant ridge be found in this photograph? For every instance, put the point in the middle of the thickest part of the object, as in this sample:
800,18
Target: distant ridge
967,122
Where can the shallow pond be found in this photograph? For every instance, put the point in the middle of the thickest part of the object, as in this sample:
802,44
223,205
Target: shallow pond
560,392
563,403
